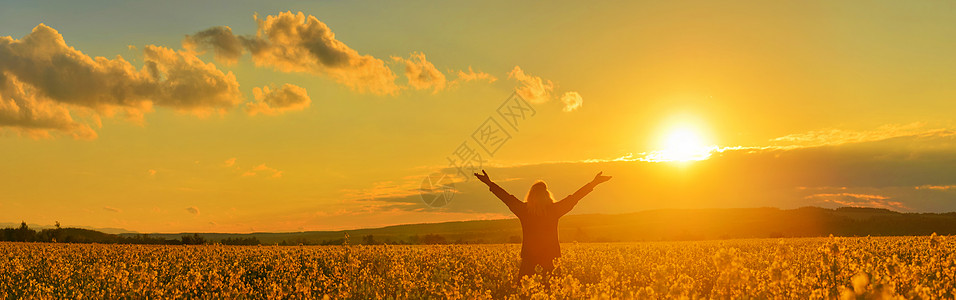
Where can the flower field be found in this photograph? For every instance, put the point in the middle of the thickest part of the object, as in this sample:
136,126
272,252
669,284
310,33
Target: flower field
816,268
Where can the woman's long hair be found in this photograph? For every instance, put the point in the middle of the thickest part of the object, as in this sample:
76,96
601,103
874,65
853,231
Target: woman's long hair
539,199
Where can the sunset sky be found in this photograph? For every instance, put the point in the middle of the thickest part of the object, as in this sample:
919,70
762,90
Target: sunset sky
249,116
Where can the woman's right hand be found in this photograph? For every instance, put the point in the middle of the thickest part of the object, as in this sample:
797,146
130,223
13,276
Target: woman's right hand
599,178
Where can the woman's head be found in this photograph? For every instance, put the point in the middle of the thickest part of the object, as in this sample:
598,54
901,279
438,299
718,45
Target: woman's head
539,199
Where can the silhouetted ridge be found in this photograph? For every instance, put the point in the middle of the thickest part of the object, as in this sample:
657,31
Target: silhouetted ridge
652,225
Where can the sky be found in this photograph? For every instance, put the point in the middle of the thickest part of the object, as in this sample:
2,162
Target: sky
248,116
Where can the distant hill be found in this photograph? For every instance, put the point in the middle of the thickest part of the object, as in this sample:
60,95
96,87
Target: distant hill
653,225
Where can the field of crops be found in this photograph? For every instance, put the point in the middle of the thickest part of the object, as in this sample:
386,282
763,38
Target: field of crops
907,267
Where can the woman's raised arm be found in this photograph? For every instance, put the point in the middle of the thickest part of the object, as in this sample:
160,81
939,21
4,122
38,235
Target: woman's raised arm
565,205
511,201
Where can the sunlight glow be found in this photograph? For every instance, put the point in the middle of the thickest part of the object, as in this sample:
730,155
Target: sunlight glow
682,145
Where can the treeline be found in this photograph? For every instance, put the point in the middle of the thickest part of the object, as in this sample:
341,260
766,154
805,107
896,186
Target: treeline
428,239
681,225
85,236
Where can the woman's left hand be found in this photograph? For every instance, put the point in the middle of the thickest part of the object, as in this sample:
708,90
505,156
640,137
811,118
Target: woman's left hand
483,177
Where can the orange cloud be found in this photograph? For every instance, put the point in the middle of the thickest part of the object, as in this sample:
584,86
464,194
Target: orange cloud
270,101
572,101
859,200
851,195
386,189
472,75
812,139
193,210
33,116
532,88
936,187
894,175
43,81
831,137
302,43
226,46
291,42
190,84
421,74
262,168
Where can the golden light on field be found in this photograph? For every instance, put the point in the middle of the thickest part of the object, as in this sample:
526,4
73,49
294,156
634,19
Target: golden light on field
772,268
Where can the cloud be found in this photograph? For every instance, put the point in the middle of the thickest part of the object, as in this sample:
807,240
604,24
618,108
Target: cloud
60,73
299,43
151,172
44,83
842,136
328,218
190,84
263,169
226,46
291,42
112,209
270,101
421,74
850,195
572,101
229,162
386,189
296,42
813,139
472,75
21,109
193,210
904,173
532,88
859,200
936,187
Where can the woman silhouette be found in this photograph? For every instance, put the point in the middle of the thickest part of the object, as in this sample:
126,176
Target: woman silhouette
539,216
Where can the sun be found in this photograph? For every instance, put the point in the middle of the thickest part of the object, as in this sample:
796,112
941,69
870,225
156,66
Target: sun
682,144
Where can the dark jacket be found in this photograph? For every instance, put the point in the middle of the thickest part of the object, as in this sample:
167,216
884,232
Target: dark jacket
540,233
